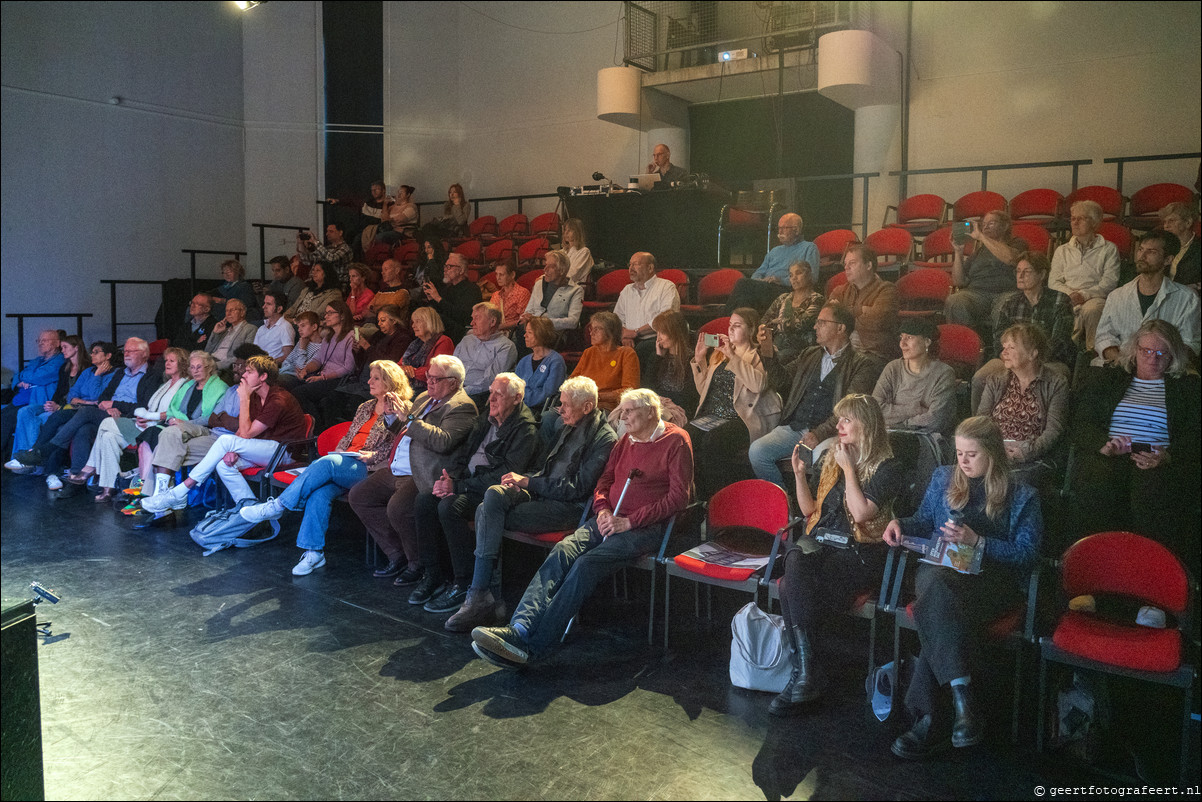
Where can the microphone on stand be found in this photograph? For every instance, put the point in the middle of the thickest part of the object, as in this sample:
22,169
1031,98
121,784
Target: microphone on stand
600,176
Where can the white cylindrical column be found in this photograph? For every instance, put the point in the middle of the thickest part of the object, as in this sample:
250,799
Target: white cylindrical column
856,69
618,96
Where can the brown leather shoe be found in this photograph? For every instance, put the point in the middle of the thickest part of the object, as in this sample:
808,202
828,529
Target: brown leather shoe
480,610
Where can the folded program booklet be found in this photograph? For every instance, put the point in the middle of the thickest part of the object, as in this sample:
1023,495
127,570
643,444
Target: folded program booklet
957,556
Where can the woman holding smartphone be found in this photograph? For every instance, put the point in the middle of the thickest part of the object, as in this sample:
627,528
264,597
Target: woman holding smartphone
856,486
364,448
974,503
736,404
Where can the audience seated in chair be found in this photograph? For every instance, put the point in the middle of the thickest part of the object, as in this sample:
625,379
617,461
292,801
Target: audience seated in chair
276,336
267,416
229,333
1086,269
284,280
334,254
429,342
485,351
543,369
308,343
503,440
810,385
872,300
772,276
917,391
579,256
986,274
320,290
35,384
736,404
641,300
456,298
333,360
1151,295
666,371
555,296
236,286
856,485
651,469
790,318
1179,220
364,450
511,298
613,366
975,504
359,295
196,329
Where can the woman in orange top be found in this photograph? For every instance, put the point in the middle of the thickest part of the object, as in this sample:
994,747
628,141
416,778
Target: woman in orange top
364,448
613,366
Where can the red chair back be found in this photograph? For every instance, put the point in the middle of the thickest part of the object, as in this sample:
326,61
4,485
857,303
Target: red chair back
926,284
1037,237
938,244
960,347
1119,235
680,279
1036,205
529,279
157,348
895,242
837,280
928,210
832,244
719,325
486,279
751,502
533,250
499,251
405,252
1110,199
743,218
470,250
1151,199
1126,564
715,287
482,226
611,284
545,224
328,440
514,224
976,205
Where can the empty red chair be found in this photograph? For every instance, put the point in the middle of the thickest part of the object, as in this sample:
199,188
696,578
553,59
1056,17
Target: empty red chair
976,205
483,226
157,349
679,278
406,252
609,287
922,292
1145,204
892,247
327,441
837,280
1119,235
1110,199
918,214
719,325
531,252
1044,207
1037,237
832,244
499,251
470,250
713,289
937,251
516,225
530,278
546,225
960,347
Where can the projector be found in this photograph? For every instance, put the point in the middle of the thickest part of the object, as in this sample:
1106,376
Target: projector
735,55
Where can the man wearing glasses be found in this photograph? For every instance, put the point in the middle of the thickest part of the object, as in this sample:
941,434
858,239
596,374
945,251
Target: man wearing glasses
1152,295
439,421
812,384
772,277
34,384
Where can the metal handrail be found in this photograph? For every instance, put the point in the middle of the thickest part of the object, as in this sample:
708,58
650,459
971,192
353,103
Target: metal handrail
263,243
193,252
1122,160
113,282
984,169
864,194
20,316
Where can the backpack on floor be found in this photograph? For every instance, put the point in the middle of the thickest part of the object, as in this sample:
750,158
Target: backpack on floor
221,529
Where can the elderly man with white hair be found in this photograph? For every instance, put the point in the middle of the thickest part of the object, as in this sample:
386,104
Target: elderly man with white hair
229,333
503,440
485,352
439,420
646,481
772,277
1086,269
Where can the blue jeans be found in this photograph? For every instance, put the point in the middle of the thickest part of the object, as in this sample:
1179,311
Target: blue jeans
764,452
512,508
570,574
29,422
314,492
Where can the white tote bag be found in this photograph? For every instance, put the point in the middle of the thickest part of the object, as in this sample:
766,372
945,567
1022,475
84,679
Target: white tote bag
760,653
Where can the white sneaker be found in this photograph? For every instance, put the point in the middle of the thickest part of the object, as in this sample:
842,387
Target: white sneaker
14,465
311,561
54,483
1151,617
174,499
269,510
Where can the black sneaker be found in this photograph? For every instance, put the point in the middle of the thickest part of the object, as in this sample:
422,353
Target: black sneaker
410,576
430,587
393,568
450,600
504,646
30,456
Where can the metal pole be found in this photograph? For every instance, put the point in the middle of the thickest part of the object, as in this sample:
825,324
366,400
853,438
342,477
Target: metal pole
113,306
262,253
21,342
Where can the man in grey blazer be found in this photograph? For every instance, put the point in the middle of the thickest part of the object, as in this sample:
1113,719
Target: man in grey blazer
437,422
554,296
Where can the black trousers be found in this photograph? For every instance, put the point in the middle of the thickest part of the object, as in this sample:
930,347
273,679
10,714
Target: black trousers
826,582
444,539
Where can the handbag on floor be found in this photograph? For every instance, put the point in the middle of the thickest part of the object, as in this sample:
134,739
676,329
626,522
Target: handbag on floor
221,529
761,656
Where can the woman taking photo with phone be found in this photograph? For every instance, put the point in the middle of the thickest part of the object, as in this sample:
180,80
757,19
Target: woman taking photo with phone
856,486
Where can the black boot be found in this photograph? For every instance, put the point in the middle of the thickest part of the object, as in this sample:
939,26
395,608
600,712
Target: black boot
802,686
968,729
927,737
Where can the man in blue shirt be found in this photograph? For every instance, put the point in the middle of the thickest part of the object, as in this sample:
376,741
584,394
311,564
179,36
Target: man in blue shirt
35,384
772,277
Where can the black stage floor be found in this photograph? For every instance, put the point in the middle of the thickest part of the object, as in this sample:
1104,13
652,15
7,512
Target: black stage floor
170,676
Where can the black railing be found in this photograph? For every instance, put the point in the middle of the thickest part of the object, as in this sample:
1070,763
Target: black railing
1122,160
20,316
263,242
985,169
498,199
192,252
113,282
863,224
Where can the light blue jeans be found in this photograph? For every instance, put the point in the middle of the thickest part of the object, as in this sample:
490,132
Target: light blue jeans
764,452
314,492
29,422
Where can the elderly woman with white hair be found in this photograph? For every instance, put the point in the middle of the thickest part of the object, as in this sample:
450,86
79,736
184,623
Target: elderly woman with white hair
646,481
114,434
1086,269
1180,219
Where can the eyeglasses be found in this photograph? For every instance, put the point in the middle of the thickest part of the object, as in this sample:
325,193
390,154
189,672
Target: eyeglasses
1151,353
824,320
431,379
